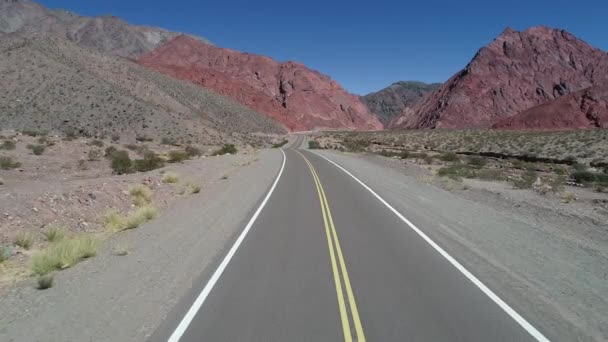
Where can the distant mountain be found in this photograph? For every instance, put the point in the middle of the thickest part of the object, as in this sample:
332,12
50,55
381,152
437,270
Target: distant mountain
396,98
107,33
517,71
300,98
587,108
49,83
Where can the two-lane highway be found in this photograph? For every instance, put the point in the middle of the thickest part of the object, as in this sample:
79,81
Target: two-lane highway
325,259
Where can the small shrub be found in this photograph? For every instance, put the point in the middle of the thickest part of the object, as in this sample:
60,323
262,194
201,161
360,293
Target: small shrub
115,222
94,154
193,151
121,250
8,145
170,178
226,149
449,157
7,163
132,147
109,150
194,188
587,177
491,175
178,156
5,253
526,180
168,141
45,282
34,133
140,194
97,143
567,197
115,138
280,144
64,254
121,163
54,234
37,149
314,145
477,162
24,240
143,138
151,161
456,171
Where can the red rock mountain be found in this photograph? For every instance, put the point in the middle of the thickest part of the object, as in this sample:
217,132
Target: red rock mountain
587,108
300,98
517,71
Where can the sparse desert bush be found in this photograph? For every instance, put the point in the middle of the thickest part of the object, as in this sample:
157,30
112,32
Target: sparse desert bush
567,197
194,188
121,250
280,144
24,240
588,177
151,161
121,163
525,180
168,141
193,151
45,282
95,154
226,149
5,253
456,171
140,194
178,156
170,178
64,254
7,163
97,143
109,150
143,138
491,175
449,157
477,161
115,222
54,234
8,145
314,145
115,137
34,133
37,149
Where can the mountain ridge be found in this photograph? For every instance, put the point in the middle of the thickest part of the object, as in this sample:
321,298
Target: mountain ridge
290,92
516,71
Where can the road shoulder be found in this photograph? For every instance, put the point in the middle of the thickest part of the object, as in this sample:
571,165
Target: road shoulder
125,298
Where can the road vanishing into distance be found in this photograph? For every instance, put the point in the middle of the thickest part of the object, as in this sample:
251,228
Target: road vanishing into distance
324,258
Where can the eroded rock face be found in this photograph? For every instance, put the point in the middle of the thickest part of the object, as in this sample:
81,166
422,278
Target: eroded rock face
587,108
517,71
300,98
391,101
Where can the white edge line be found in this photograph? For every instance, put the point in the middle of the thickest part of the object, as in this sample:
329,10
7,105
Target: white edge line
185,322
517,317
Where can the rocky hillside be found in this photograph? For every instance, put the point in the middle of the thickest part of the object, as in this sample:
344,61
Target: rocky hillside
107,33
50,83
397,98
587,108
300,98
517,71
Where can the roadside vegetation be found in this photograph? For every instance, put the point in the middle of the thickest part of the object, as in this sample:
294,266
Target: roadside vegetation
545,162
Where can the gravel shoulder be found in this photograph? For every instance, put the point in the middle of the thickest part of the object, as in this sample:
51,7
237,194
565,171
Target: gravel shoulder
124,298
548,263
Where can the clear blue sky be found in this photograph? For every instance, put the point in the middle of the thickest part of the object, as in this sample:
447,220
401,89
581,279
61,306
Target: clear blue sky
365,46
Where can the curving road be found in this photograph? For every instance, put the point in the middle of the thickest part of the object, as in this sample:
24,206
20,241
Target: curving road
326,259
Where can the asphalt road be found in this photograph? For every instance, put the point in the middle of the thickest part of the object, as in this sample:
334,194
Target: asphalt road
326,260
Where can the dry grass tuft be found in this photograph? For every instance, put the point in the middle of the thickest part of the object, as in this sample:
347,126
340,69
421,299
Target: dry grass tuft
141,195
24,240
64,254
170,178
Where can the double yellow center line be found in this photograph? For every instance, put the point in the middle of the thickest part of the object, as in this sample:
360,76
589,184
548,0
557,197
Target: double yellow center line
338,266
